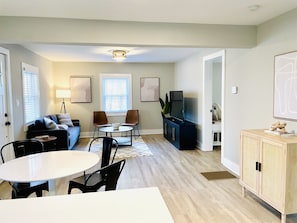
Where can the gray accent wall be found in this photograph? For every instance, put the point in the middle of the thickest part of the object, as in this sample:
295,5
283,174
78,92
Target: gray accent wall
150,112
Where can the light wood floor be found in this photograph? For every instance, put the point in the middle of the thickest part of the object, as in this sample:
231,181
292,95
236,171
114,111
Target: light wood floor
189,196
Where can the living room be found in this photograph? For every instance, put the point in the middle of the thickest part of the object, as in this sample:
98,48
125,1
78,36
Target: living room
249,65
244,68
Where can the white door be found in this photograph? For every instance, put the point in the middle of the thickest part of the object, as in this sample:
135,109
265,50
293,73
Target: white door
207,131
4,116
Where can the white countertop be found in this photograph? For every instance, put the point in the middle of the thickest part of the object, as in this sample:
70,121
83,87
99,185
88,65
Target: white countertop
144,205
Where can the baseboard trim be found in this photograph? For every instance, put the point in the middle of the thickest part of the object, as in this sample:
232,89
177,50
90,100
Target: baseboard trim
142,132
233,167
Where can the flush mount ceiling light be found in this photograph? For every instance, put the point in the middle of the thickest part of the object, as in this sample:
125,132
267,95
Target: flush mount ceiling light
119,55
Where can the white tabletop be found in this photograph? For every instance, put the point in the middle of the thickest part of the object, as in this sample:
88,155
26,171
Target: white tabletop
144,205
113,130
47,166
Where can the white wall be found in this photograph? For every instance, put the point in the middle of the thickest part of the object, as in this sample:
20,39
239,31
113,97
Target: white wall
83,31
252,71
189,78
18,55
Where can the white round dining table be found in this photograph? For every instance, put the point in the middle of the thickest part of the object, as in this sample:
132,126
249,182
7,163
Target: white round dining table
47,166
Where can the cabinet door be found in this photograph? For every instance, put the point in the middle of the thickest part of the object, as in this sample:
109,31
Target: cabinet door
272,173
249,157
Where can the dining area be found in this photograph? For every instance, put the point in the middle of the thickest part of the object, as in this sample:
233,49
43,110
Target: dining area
30,170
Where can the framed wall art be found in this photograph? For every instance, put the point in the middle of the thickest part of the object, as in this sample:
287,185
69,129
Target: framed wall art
81,91
285,86
149,89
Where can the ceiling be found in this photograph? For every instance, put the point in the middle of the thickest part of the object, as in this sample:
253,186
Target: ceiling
235,12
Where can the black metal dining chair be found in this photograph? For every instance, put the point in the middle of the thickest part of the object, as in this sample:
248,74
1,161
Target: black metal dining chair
22,148
107,176
109,144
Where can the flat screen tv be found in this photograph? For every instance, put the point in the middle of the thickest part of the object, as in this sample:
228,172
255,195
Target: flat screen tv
176,104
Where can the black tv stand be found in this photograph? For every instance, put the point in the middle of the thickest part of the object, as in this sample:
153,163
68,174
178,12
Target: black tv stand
182,134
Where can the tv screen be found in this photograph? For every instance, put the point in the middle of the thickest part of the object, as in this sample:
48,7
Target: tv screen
177,104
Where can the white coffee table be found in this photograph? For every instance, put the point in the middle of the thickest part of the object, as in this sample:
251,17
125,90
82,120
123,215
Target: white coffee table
121,129
47,166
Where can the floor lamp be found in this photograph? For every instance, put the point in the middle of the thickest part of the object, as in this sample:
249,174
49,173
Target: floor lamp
63,94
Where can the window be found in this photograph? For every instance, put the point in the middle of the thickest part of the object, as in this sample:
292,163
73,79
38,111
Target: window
116,93
31,95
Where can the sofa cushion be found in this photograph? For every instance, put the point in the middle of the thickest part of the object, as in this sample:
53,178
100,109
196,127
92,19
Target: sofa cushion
39,124
50,124
65,119
53,117
62,126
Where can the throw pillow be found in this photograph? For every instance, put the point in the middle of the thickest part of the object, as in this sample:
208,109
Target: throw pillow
65,119
62,126
50,124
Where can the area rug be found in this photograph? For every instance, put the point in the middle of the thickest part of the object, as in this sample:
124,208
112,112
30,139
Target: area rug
138,148
218,175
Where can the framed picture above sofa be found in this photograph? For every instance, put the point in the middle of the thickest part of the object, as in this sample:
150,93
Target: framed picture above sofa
81,91
149,89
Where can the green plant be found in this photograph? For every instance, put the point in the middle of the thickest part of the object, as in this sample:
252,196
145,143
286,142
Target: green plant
165,105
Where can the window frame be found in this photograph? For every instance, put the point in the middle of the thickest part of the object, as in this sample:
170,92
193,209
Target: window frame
33,71
115,76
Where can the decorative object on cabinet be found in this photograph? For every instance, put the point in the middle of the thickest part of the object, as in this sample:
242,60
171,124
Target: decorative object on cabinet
80,89
268,164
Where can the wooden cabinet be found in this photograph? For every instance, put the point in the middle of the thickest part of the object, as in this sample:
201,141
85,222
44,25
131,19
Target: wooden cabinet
182,134
269,169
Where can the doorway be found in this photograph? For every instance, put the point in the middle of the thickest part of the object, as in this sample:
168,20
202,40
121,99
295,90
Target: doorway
213,100
6,129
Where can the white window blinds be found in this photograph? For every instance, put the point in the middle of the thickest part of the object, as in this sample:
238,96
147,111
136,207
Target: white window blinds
116,93
31,93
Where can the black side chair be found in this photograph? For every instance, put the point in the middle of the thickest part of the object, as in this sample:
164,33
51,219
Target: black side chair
108,144
107,176
23,148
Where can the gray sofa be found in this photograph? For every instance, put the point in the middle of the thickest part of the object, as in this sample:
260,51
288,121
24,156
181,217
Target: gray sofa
67,136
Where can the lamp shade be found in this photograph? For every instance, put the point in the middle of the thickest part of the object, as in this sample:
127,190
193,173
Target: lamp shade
63,93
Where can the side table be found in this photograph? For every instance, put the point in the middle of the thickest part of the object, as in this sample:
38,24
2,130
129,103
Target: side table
49,142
